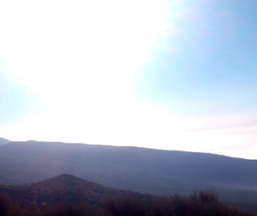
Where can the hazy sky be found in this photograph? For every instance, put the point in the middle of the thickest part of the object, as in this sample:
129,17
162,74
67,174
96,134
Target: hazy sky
178,74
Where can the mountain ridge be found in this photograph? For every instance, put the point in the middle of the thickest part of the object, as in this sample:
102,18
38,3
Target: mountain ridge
4,141
130,168
127,147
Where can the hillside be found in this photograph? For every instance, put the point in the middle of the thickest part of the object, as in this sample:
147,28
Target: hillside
130,168
3,141
65,189
123,167
69,195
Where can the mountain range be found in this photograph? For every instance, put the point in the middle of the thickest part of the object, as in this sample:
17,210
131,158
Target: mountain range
129,168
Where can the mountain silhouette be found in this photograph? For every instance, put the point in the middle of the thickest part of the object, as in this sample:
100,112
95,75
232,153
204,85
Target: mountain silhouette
66,189
128,168
3,141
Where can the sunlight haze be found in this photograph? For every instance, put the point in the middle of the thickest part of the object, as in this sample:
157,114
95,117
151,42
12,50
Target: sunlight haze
164,74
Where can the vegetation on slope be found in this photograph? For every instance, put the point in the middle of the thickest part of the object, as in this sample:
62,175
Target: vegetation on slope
65,189
204,203
67,195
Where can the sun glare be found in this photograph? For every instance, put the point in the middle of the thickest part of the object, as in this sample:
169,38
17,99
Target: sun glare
63,43
81,60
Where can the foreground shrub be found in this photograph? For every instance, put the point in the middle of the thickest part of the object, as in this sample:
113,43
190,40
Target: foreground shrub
5,204
125,207
208,197
7,208
69,210
204,203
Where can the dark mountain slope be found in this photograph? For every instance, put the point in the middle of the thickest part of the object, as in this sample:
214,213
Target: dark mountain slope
69,195
139,169
66,189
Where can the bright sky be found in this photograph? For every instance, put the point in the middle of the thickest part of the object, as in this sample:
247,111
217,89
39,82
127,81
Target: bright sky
164,74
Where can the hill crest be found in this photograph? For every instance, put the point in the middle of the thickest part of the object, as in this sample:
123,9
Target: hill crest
4,141
65,188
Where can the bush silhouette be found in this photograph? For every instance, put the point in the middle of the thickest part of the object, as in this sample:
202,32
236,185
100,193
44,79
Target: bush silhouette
125,207
204,203
208,196
69,210
5,205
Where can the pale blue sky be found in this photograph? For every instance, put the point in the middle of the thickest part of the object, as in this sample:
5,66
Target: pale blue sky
160,74
214,62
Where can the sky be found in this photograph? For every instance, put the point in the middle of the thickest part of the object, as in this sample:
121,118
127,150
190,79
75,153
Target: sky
162,74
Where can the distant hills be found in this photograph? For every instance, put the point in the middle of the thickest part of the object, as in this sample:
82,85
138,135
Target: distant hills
128,168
